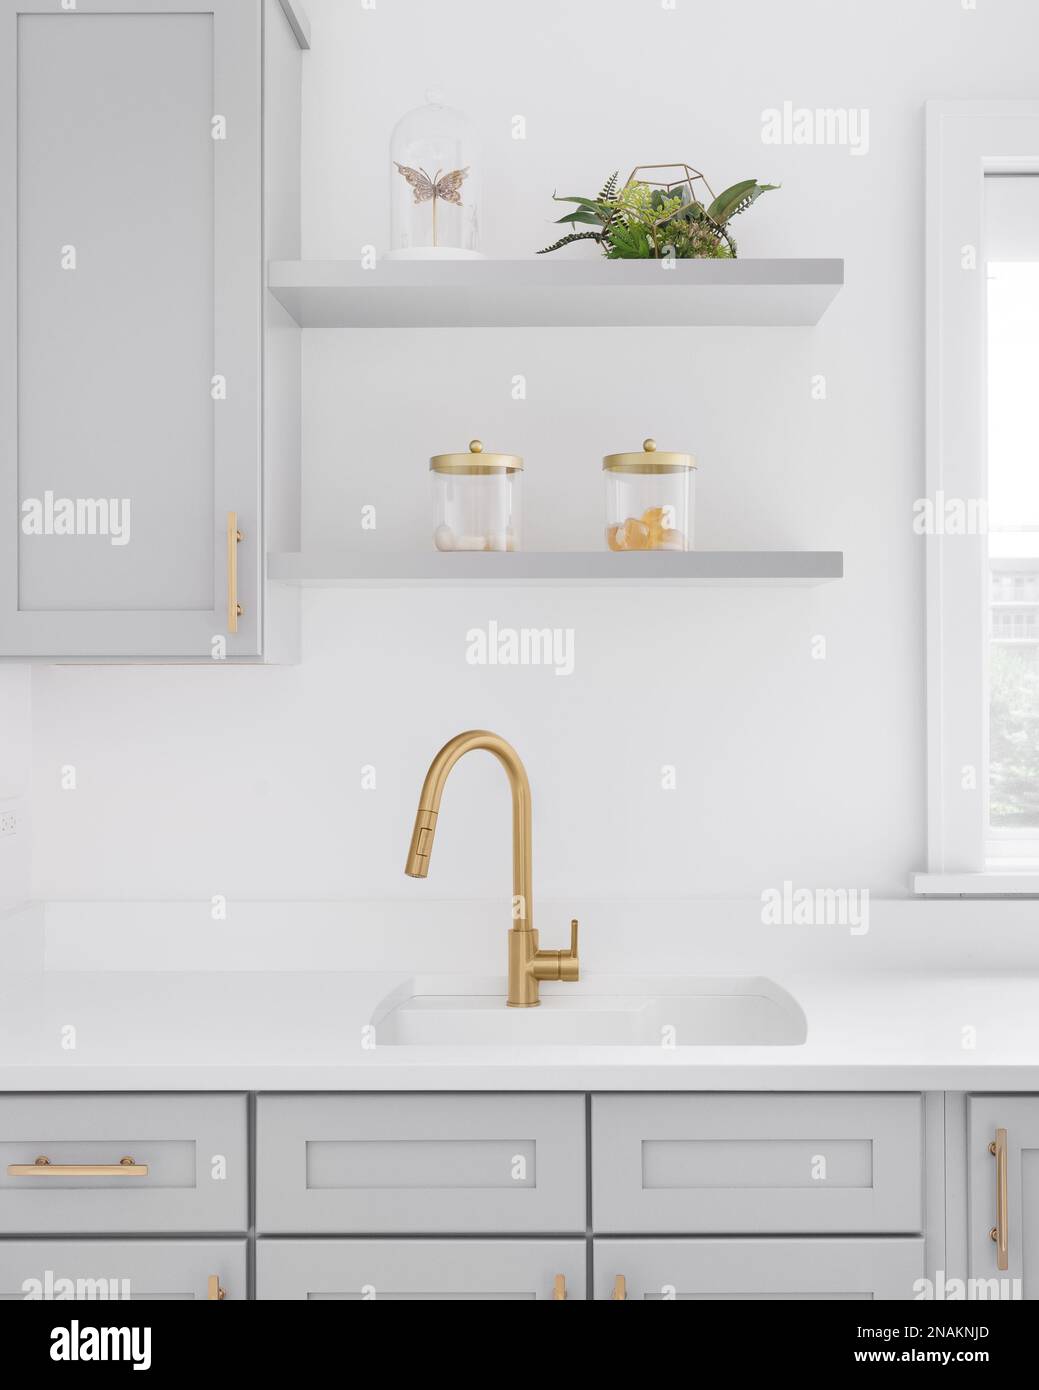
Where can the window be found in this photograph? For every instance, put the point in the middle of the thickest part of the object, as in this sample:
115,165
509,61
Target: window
1012,371
980,515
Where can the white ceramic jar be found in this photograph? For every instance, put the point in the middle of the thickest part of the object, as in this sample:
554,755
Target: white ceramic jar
476,500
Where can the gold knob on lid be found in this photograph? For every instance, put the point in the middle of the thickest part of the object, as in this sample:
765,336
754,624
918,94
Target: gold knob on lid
476,461
649,460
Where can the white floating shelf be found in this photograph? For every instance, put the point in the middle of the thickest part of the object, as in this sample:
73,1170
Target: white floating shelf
341,568
556,293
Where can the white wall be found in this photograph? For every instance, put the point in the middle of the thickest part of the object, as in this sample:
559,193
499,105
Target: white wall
247,782
15,765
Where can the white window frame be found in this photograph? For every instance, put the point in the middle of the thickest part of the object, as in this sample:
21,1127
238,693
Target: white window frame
965,141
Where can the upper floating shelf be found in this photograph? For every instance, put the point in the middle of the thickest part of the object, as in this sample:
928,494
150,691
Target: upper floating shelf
556,293
334,568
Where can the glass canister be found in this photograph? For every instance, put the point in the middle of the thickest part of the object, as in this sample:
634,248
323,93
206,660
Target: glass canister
434,185
476,500
649,500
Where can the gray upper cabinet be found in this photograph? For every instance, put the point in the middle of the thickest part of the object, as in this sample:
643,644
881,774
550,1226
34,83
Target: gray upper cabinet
132,311
1004,1195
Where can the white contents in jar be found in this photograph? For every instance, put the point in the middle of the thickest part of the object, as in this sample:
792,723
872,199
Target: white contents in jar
444,538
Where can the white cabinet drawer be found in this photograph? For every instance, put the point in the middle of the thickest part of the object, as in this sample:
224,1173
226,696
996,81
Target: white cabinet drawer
757,1163
857,1268
415,1270
420,1163
189,1173
132,1270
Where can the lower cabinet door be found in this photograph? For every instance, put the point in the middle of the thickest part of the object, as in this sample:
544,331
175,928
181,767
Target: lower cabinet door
128,1270
745,1268
420,1269
1003,1169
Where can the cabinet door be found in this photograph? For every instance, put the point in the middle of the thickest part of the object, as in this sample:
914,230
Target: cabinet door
753,1163
987,1118
63,1164
415,1270
130,1270
744,1268
130,274
414,1164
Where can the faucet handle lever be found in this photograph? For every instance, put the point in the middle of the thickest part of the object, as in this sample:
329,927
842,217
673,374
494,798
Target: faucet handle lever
569,964
553,965
572,953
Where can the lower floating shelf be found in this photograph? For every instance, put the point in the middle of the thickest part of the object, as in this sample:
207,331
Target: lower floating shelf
357,569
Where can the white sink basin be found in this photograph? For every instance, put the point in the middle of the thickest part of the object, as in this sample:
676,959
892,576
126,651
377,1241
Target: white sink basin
599,1011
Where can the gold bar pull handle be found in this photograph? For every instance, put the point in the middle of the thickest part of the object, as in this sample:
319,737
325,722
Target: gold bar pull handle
559,1288
214,1291
44,1168
620,1289
234,540
1000,1232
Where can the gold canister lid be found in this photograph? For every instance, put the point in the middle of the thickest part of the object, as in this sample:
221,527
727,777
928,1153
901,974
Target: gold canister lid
651,460
476,461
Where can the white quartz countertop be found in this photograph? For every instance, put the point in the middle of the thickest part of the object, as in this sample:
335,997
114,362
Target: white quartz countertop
920,1015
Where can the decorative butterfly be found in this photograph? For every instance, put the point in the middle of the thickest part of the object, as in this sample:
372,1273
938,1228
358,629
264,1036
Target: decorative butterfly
445,186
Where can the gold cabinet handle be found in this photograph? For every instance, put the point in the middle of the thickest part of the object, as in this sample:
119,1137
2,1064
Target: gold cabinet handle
214,1291
234,540
559,1288
1000,1232
44,1168
620,1289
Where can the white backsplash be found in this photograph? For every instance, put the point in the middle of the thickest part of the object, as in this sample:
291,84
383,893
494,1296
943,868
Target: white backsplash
247,783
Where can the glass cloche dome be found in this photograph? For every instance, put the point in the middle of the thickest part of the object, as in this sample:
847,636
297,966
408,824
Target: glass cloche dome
434,184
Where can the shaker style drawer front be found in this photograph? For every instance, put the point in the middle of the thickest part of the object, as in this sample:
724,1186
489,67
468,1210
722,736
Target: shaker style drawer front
415,1270
856,1269
757,1163
63,1163
128,1270
420,1163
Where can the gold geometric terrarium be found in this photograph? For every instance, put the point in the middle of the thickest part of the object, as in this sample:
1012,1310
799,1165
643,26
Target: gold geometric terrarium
673,178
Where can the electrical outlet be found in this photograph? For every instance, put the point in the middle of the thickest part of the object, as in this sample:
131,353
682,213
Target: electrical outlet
8,823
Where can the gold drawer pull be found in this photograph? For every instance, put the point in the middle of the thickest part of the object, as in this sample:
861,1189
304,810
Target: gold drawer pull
234,539
620,1289
559,1288
44,1168
1000,1232
214,1291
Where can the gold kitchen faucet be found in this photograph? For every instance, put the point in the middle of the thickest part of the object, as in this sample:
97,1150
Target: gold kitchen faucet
528,965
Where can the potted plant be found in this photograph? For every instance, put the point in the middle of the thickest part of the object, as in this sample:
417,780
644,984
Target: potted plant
653,219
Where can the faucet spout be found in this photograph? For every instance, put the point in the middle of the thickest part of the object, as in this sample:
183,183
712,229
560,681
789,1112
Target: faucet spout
528,965
429,808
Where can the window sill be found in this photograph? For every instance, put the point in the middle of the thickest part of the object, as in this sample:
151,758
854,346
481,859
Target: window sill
992,883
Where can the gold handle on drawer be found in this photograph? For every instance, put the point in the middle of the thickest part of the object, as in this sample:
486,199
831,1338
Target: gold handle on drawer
620,1289
559,1287
234,539
44,1168
1000,1232
214,1291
